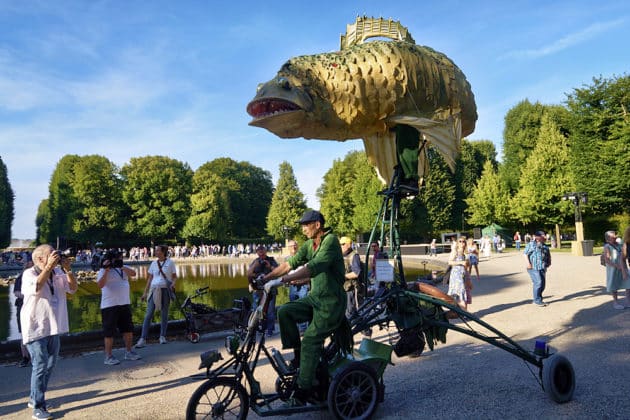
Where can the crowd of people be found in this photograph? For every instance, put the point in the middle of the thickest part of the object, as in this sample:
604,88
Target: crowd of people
322,273
40,292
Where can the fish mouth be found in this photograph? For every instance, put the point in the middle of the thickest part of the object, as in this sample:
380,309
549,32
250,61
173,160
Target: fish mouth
270,107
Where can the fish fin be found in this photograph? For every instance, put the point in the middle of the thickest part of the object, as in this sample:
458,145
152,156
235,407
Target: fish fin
380,149
445,135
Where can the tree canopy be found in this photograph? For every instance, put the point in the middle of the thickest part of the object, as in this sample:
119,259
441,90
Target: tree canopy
157,191
544,179
230,201
287,205
348,194
6,206
600,143
548,150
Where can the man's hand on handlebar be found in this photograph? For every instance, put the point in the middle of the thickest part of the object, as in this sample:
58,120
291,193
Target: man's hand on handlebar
273,283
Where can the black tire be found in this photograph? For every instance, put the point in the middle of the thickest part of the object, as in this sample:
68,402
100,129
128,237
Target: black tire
219,398
193,337
354,392
558,378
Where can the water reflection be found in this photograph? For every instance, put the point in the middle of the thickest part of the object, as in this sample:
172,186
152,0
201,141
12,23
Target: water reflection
226,282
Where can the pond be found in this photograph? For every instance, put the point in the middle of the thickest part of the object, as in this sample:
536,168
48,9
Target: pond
226,282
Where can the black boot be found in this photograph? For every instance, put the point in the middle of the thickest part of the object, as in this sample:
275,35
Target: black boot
298,398
295,363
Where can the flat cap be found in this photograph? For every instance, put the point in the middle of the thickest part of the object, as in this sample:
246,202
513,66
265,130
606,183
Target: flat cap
311,216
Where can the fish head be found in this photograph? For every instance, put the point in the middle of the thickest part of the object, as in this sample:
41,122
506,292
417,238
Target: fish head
281,106
295,104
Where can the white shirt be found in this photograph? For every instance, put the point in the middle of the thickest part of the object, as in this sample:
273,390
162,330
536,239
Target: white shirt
168,267
116,290
44,313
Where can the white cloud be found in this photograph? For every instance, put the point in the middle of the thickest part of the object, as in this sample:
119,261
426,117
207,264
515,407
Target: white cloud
565,42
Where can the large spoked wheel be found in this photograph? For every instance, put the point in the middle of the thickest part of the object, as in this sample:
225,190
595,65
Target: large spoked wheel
558,378
220,398
354,392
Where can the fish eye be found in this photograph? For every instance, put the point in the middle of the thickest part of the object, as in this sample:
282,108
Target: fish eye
259,87
283,82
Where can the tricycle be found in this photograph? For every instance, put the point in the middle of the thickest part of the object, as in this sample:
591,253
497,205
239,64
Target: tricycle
349,385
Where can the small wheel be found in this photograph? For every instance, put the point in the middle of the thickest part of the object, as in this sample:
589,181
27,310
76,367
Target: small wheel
193,337
354,392
558,378
220,398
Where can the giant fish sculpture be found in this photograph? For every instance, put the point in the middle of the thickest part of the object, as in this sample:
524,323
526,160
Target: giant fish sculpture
365,90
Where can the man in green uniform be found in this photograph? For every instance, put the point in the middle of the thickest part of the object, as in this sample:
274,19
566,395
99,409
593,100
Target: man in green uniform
324,307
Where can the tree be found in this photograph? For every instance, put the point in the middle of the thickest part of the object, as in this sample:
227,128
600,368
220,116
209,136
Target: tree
489,201
522,124
334,194
251,202
287,205
468,169
364,195
62,203
439,192
347,195
233,198
544,180
97,189
210,206
42,222
600,143
6,206
157,191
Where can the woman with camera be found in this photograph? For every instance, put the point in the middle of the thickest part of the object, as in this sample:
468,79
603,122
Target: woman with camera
113,279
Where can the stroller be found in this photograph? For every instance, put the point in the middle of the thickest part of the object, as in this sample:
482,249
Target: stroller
200,317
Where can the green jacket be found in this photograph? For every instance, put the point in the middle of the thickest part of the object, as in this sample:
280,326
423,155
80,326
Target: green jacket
327,270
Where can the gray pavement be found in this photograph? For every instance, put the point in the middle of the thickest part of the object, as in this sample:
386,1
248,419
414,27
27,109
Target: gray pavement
464,378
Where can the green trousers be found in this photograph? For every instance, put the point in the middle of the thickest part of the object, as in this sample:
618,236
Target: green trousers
323,321
407,144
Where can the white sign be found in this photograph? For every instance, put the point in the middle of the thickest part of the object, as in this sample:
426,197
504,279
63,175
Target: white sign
385,270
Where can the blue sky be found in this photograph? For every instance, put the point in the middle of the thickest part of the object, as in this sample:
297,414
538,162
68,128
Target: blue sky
126,79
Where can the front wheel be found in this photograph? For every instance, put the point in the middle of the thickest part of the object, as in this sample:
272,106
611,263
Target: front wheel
219,398
558,378
354,392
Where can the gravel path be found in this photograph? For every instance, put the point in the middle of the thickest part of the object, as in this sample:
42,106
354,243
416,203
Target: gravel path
464,378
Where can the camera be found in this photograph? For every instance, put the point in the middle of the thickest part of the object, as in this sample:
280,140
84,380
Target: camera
112,259
64,254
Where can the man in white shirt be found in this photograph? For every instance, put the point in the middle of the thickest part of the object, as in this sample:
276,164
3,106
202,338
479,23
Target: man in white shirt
44,316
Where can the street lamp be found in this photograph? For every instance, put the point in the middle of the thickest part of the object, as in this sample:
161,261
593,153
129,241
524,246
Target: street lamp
576,198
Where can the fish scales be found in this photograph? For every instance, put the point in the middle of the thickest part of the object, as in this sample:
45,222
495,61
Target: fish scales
363,91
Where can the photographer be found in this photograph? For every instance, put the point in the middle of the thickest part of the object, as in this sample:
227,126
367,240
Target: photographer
113,279
44,316
263,264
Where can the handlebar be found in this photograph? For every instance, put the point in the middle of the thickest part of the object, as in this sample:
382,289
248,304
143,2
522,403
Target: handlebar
202,291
